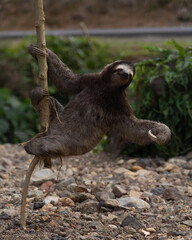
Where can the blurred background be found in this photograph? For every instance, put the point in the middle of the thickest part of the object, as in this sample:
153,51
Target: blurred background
66,14
154,34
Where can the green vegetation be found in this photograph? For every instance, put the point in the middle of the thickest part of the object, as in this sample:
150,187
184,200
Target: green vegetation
17,119
161,89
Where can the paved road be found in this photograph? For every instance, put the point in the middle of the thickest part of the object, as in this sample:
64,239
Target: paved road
124,32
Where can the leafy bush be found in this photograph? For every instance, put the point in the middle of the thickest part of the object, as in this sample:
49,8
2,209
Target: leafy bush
81,54
18,122
162,91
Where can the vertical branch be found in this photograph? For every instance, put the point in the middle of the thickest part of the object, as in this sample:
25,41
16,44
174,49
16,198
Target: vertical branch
42,63
43,105
42,66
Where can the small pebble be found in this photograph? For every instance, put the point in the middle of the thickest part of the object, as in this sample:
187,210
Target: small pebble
5,216
37,205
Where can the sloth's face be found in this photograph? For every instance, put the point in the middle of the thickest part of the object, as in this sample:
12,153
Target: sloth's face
120,73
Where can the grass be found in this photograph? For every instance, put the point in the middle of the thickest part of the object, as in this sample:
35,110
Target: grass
135,48
132,48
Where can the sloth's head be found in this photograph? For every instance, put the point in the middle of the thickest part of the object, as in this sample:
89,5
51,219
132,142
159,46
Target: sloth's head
118,74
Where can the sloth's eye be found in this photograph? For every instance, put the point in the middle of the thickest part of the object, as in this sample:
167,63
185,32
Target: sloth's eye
117,70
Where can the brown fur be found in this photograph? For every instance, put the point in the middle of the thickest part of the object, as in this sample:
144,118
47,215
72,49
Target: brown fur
99,104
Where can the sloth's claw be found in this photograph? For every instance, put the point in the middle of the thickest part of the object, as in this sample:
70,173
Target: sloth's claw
38,51
45,92
152,136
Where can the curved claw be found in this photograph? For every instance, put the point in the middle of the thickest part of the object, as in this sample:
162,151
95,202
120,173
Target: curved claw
45,92
38,51
152,136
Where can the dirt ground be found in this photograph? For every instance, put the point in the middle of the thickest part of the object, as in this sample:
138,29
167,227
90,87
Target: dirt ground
97,198
67,14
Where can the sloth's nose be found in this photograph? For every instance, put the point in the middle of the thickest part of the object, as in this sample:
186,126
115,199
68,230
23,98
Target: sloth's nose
124,74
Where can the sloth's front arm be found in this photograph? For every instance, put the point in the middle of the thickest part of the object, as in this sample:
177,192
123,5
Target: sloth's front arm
60,75
143,132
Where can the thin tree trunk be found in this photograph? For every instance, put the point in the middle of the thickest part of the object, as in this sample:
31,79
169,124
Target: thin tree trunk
43,105
42,65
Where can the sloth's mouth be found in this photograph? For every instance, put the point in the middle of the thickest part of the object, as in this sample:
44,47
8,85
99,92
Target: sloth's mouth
124,75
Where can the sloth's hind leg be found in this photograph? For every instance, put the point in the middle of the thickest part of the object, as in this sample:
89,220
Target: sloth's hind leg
48,146
55,146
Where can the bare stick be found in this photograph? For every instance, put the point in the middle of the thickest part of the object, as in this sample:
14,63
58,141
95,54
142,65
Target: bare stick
25,189
42,66
44,104
42,63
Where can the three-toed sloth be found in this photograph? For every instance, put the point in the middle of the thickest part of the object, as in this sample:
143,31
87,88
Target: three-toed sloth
99,104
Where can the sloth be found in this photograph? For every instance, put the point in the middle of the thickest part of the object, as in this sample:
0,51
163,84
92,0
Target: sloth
99,104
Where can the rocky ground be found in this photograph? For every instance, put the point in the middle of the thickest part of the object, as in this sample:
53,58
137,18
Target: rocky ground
95,197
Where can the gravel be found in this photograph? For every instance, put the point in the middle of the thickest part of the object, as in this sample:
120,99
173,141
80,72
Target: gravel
97,198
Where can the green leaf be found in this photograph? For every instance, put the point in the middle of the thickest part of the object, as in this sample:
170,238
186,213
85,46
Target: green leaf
179,47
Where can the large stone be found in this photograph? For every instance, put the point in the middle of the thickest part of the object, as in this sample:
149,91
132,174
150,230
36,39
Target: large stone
172,193
124,172
144,162
136,194
169,167
179,161
120,170
51,199
136,168
158,190
190,174
132,222
188,223
189,189
188,165
88,206
48,187
63,184
5,162
35,193
111,203
66,202
103,196
119,191
133,202
11,212
96,225
189,155
80,197
69,172
4,216
41,176
37,205
143,173
79,189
